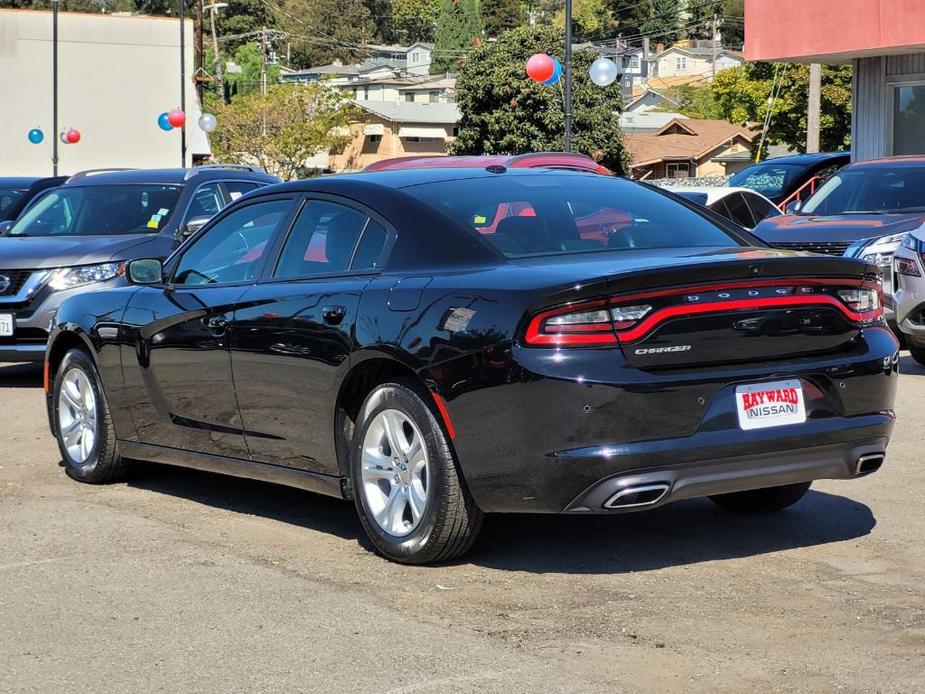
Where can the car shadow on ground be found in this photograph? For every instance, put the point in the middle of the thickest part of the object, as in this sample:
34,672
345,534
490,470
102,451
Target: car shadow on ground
688,532
908,365
21,376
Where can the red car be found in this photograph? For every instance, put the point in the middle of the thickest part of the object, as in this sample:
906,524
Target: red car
550,160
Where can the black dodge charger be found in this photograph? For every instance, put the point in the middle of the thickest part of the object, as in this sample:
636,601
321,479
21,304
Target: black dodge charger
440,344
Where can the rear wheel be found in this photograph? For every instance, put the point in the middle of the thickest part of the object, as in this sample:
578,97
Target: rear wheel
918,353
762,500
82,422
409,494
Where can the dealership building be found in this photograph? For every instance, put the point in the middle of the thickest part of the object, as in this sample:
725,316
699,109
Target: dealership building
885,42
116,74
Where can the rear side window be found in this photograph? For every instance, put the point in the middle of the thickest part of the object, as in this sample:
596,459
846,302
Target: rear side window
761,208
738,210
330,238
548,213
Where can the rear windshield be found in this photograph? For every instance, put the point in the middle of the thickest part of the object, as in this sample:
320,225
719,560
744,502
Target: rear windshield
771,180
99,211
553,214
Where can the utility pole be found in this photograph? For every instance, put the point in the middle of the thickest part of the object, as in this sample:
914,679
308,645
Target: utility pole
263,61
567,97
54,87
183,80
814,107
198,62
714,41
219,70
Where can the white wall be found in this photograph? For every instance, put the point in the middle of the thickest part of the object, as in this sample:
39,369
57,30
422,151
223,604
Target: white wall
115,75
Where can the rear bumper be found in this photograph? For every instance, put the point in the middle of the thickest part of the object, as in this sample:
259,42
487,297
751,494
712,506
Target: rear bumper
724,475
547,434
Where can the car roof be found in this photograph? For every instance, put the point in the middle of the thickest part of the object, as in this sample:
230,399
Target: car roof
24,181
806,159
178,175
900,162
714,193
511,161
403,178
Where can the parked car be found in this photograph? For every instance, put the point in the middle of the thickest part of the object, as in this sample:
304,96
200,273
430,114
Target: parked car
16,193
790,177
743,206
433,368
909,291
874,202
78,237
548,160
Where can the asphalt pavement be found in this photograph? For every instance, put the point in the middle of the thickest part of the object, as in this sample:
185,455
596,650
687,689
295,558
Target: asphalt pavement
182,581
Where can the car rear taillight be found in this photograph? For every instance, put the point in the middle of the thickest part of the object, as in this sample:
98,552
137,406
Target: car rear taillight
631,318
907,266
587,324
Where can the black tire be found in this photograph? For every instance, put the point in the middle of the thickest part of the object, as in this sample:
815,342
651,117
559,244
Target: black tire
918,353
450,520
104,464
762,500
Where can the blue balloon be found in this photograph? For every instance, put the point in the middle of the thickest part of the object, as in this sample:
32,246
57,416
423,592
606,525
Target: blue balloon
36,136
556,73
163,123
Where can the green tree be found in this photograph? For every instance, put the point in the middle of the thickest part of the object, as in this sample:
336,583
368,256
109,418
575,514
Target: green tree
729,16
459,28
504,112
591,20
282,130
663,24
249,59
500,15
415,20
322,31
741,96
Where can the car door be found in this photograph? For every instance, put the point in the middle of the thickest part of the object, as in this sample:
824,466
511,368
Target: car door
293,332
179,368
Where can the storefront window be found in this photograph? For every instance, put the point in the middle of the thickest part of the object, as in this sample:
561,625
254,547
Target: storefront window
909,120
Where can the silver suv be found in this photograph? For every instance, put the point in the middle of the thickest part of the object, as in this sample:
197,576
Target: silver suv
77,237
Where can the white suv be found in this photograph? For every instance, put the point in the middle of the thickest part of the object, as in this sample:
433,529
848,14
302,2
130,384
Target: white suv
909,291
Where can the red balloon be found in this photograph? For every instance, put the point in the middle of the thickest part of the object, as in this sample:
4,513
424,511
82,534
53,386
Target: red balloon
72,136
176,118
540,67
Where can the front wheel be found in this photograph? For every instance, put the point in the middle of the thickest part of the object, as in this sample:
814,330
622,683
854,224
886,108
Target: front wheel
410,496
762,500
82,422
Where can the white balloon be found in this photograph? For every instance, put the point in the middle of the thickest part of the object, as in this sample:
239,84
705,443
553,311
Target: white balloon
603,72
207,122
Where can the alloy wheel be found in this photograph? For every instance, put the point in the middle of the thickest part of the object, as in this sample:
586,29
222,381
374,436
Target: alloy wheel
77,415
395,472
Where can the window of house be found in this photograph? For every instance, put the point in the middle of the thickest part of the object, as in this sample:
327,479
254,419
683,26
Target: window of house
421,139
409,96
374,138
680,63
433,96
678,170
909,119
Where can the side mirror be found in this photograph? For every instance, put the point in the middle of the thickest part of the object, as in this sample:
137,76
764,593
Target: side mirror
145,271
5,227
192,226
792,207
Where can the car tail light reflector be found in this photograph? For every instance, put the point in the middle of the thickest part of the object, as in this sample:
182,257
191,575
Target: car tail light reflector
587,324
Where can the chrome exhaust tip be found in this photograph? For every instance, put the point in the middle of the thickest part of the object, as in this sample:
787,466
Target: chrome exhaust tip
869,463
637,496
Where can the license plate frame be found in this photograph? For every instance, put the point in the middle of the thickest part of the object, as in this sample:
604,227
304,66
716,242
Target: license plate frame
770,404
7,324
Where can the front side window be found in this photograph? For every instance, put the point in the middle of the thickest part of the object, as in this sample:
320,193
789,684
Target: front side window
896,190
550,213
100,210
233,249
325,239
207,201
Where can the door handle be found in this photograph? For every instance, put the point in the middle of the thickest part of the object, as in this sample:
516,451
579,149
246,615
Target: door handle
216,324
333,315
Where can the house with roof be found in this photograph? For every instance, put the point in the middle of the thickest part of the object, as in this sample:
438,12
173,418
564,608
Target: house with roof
396,128
645,99
684,148
382,62
647,121
688,61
